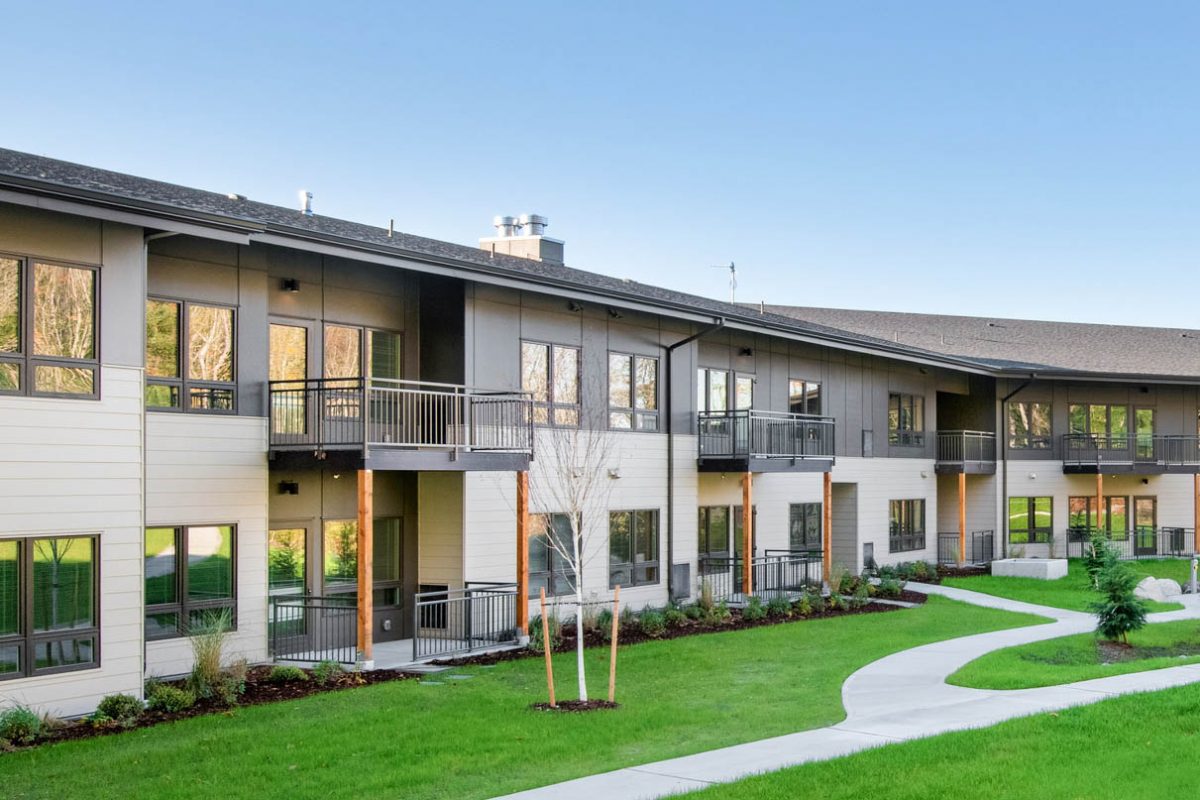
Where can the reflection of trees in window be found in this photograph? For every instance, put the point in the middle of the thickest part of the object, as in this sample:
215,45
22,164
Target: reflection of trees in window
632,392
285,561
204,380
10,305
906,419
550,374
189,578
64,313
210,343
340,550
289,353
343,355
1029,426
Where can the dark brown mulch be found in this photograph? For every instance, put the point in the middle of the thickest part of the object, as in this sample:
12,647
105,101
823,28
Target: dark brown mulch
689,627
959,572
259,690
576,706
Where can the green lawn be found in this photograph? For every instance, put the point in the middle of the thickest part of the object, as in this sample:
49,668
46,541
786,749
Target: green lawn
1081,658
1073,592
1138,746
477,738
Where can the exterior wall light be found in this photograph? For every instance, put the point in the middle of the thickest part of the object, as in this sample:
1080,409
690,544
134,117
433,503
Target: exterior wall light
289,487
290,285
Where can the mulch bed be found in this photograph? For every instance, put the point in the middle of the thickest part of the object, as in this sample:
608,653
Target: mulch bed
259,690
959,572
575,706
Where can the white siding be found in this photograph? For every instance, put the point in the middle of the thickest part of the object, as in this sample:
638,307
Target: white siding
879,481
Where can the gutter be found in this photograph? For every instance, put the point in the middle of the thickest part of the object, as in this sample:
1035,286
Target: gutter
1004,455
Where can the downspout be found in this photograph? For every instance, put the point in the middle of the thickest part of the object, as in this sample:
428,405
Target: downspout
1004,455
717,324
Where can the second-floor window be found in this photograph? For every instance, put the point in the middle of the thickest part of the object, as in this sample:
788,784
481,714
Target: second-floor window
47,329
716,391
1029,426
632,392
906,419
804,397
1098,420
550,374
190,356
906,525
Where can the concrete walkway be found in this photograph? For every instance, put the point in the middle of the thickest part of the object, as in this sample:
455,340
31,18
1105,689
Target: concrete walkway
899,697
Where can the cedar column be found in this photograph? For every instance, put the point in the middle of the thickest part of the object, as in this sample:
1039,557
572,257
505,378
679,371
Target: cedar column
1099,501
523,553
827,528
366,550
962,518
747,532
1196,514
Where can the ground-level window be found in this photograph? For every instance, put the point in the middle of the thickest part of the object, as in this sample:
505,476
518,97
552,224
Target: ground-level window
804,526
906,525
1030,520
189,578
1112,519
48,590
632,548
1029,426
713,538
906,419
551,548
339,558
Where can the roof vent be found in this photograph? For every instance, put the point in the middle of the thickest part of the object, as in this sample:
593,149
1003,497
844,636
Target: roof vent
306,203
505,226
236,196
534,224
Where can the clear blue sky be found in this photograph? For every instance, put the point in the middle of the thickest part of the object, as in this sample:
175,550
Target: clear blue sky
1012,159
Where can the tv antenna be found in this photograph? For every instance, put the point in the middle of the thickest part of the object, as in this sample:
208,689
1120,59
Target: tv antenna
732,278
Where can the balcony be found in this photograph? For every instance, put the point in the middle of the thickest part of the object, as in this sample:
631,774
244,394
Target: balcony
969,452
1143,454
356,423
764,441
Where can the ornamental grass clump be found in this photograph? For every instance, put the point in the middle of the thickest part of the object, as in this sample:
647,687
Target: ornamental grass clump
1120,611
19,726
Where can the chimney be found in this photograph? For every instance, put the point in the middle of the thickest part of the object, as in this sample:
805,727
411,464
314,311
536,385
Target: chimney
523,237
306,203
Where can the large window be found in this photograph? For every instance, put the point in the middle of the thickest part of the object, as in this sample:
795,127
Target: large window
1029,426
551,545
906,419
1030,520
632,392
632,548
48,605
189,578
713,541
804,397
716,391
1113,518
47,329
550,374
1099,420
190,356
906,525
804,526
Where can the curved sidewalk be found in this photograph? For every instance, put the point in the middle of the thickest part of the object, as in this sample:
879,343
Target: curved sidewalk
899,697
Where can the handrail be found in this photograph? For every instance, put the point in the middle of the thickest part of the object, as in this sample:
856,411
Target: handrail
750,433
962,447
1127,449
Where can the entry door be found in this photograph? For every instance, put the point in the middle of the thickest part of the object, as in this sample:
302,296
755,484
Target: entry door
1145,520
339,570
287,580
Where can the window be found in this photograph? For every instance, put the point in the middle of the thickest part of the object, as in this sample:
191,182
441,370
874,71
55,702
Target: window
189,578
1100,420
1082,517
47,329
339,555
550,373
48,605
189,356
906,419
287,555
906,525
551,544
1029,426
1030,520
804,397
713,541
632,392
632,548
743,392
804,527
712,392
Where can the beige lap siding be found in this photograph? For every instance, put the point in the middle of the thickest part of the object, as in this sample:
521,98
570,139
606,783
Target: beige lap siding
879,481
205,470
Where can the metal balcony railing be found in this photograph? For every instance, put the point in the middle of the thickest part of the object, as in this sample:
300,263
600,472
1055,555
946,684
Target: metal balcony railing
964,448
378,413
765,434
477,617
1131,450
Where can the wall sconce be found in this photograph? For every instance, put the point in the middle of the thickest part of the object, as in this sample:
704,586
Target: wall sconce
615,474
924,474
745,351
290,285
1145,481
289,487
574,306
1033,476
614,314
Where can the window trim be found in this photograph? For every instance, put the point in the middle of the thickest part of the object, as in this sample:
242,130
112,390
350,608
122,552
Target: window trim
26,639
900,539
184,383
807,506
1034,534
805,384
635,414
181,606
551,404
25,359
633,565
901,436
1032,441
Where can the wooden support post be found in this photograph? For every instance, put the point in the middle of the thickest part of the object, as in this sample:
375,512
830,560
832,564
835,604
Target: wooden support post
1099,501
827,528
1196,514
547,646
747,533
366,549
523,553
962,518
612,659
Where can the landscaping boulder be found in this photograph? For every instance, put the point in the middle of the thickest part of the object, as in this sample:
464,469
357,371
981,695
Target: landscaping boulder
1149,589
1169,587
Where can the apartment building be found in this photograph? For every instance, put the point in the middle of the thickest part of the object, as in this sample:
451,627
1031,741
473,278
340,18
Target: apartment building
355,441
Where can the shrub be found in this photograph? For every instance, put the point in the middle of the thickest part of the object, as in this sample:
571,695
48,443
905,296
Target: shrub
1099,555
705,601
331,671
652,622
695,611
674,617
720,613
921,571
168,698
208,649
123,709
1120,611
804,606
283,673
890,587
628,618
535,632
19,725
837,603
861,595
779,607
846,583
754,610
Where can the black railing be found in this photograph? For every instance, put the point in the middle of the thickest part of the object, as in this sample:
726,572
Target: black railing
778,573
477,617
308,628
765,434
1131,450
357,413
966,448
981,547
1141,542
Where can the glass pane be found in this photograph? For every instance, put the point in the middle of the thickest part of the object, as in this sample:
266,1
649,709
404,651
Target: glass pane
10,659
646,370
289,353
1077,512
10,588
1019,424
619,394
1042,512
1018,514
339,563
1118,516
389,597
814,398
718,390
161,396
645,545
647,422
566,417
718,530
620,540
539,555
210,343
343,358
918,413
621,420
535,370
10,305
1077,419
1039,424
566,375
1144,512
894,412
796,396
63,653
63,573
210,398
10,377
209,618
1098,420
564,535
286,557
387,553
1145,421
745,393
1119,420
386,355
162,339
64,320
64,380
161,565
162,626
210,562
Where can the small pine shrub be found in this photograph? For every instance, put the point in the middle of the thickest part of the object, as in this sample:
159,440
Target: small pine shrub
168,699
283,673
326,672
122,709
1120,612
652,622
754,610
674,617
779,608
19,725
1099,555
